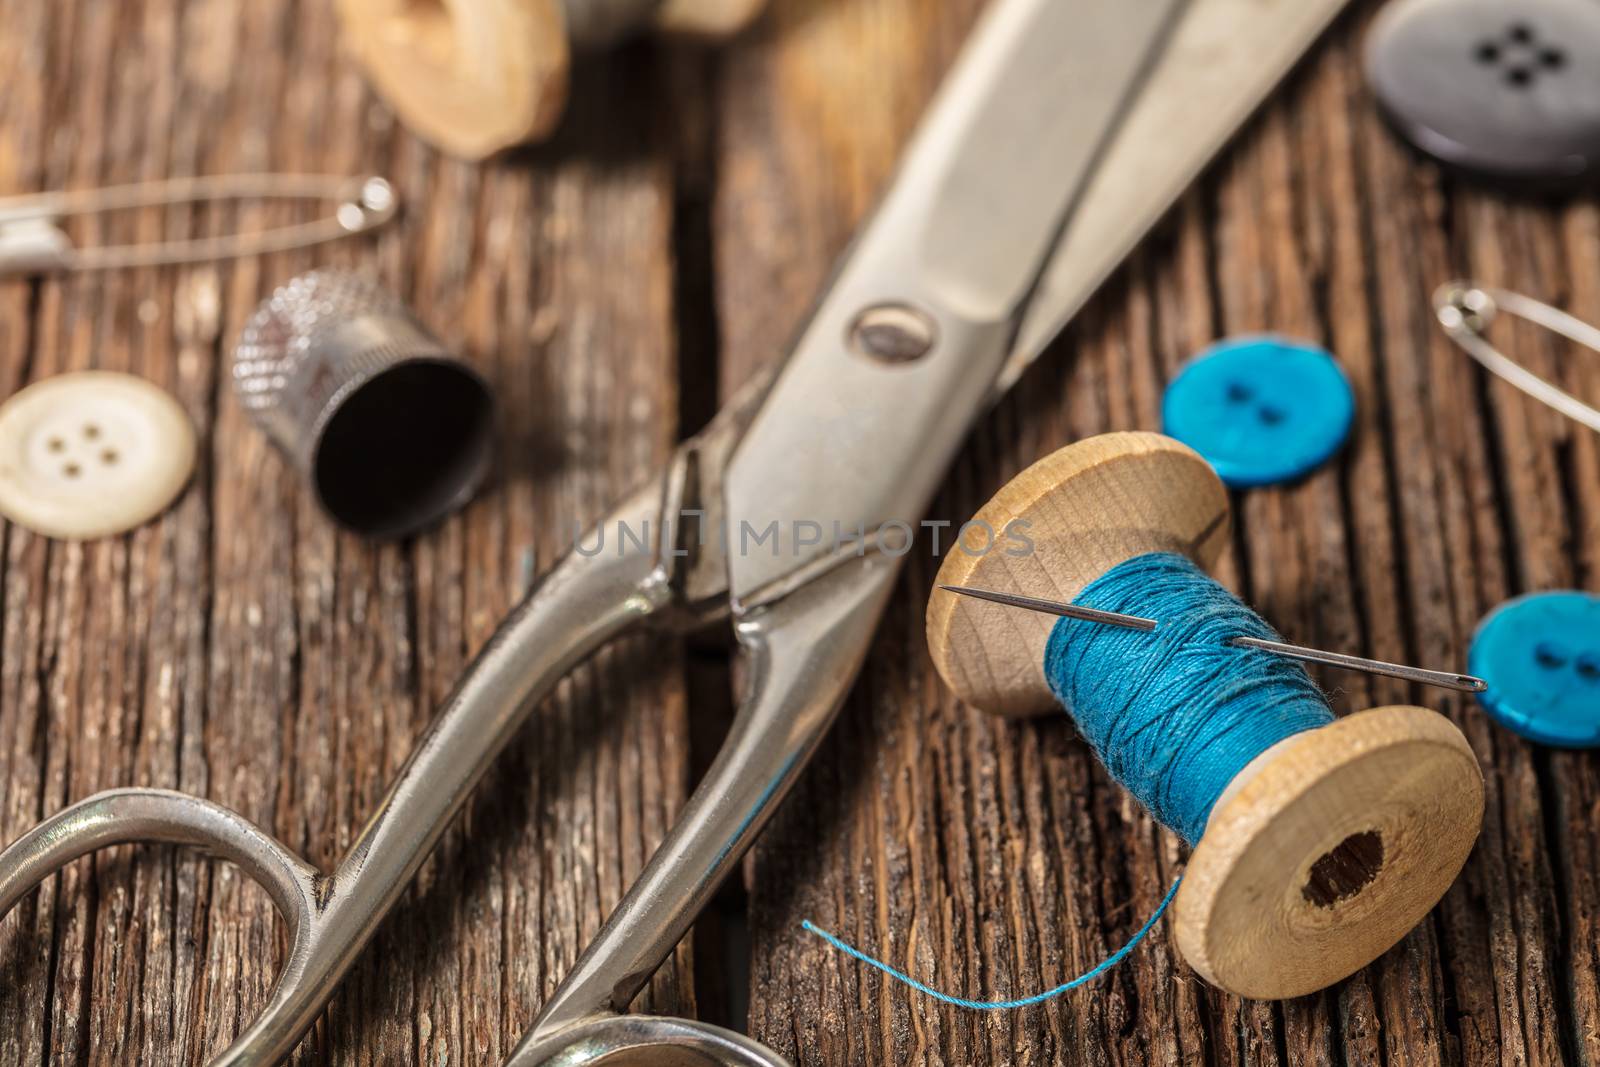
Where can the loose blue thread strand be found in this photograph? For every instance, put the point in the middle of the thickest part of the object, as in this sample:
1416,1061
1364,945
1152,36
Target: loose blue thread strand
1000,1005
1174,715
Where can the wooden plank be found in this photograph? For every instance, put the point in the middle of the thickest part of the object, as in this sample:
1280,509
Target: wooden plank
242,648
997,859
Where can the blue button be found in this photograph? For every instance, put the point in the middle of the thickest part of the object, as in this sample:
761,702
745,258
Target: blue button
1540,655
1261,410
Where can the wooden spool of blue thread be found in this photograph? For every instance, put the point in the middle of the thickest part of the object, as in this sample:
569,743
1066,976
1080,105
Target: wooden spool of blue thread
1329,846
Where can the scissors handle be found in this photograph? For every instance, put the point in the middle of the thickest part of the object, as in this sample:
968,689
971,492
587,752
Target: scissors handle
138,816
130,816
802,654
579,606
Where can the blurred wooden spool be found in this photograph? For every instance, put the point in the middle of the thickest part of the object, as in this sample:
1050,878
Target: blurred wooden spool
475,77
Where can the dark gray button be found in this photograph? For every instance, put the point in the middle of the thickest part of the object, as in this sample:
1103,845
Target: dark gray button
1508,90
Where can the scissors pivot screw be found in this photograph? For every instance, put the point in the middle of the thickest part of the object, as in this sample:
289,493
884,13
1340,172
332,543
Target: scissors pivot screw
893,333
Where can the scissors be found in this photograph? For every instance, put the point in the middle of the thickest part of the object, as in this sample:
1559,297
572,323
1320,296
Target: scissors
1063,132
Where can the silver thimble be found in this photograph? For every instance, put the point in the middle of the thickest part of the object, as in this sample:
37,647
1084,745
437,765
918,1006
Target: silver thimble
392,430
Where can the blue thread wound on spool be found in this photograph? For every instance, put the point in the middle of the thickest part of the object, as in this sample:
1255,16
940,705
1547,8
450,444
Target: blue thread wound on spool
1174,714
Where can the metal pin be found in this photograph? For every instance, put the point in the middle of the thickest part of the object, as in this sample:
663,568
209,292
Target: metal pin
1465,309
1464,683
32,242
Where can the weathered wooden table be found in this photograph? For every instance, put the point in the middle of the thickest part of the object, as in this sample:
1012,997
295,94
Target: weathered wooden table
615,284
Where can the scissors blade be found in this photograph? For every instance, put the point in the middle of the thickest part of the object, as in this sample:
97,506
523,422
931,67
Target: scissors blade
1019,126
1219,64
850,440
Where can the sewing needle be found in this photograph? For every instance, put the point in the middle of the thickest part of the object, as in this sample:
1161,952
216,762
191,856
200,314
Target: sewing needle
1052,607
1464,683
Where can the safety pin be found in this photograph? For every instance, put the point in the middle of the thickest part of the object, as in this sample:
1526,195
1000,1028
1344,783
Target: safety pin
1464,683
1465,310
32,241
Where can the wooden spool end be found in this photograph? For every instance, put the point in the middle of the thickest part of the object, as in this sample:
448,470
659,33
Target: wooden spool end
476,77
471,77
1086,508
1325,850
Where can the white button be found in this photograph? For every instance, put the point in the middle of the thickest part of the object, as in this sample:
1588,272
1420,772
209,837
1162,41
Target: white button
91,454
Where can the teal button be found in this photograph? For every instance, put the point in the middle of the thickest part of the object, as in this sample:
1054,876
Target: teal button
1540,655
1261,410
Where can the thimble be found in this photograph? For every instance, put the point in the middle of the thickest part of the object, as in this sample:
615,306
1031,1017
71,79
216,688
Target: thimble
392,430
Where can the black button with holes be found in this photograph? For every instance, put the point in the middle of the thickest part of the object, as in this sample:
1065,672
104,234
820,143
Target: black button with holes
1508,91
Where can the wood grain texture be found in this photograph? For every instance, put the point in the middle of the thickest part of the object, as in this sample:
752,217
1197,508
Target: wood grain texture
241,647
996,858
660,250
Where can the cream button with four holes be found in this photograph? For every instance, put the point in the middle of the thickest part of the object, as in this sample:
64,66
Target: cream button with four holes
91,454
